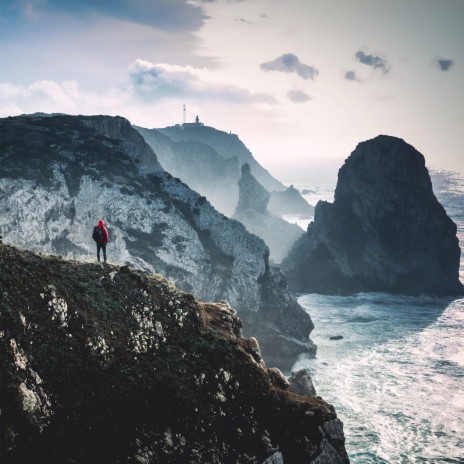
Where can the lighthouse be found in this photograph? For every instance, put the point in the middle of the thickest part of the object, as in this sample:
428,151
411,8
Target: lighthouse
185,124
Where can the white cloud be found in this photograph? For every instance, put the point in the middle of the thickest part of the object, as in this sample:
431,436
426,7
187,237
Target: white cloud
160,81
53,97
149,86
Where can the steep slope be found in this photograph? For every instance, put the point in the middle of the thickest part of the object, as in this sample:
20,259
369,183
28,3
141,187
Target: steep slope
193,143
109,365
385,230
199,166
252,211
60,174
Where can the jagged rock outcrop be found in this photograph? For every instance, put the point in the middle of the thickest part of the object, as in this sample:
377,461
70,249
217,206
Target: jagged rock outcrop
104,364
207,160
301,382
385,230
61,174
252,211
289,201
253,196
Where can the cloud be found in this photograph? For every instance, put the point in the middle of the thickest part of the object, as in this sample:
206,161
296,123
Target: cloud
55,97
444,65
351,76
174,15
290,63
374,61
158,81
148,85
298,96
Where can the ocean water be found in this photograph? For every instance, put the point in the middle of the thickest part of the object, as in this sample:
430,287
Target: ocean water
396,378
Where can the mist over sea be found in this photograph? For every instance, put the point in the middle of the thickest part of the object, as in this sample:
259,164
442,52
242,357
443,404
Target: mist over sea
396,377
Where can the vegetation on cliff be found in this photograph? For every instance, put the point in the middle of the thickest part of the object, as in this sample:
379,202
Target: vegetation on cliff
105,364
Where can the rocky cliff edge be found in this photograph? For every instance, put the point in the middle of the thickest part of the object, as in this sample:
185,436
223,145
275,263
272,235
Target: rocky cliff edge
104,364
61,174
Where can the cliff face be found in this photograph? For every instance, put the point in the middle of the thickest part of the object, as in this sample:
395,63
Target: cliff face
104,364
199,166
61,174
385,230
252,211
197,153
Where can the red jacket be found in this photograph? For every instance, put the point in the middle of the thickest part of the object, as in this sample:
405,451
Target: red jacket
101,224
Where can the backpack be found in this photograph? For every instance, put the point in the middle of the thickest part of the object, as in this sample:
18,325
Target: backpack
97,234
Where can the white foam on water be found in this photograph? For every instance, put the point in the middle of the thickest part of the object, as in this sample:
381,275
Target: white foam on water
392,380
396,378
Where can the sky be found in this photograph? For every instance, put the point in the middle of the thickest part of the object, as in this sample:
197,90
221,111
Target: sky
301,82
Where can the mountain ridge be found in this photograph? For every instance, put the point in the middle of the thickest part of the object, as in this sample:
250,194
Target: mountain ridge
61,174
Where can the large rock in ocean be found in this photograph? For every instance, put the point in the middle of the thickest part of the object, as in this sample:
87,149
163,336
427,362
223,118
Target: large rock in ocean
252,211
60,174
385,230
104,364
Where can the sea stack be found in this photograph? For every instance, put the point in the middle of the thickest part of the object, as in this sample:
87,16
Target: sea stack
384,232
252,211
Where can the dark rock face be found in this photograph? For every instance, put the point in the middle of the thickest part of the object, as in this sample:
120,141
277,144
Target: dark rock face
60,174
104,364
289,201
385,230
252,211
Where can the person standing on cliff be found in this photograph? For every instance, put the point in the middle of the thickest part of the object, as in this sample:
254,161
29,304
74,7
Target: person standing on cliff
100,235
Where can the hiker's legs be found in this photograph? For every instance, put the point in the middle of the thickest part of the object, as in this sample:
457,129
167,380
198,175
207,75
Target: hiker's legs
103,246
98,251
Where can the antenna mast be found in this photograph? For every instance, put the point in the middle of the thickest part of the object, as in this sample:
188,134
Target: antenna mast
185,113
